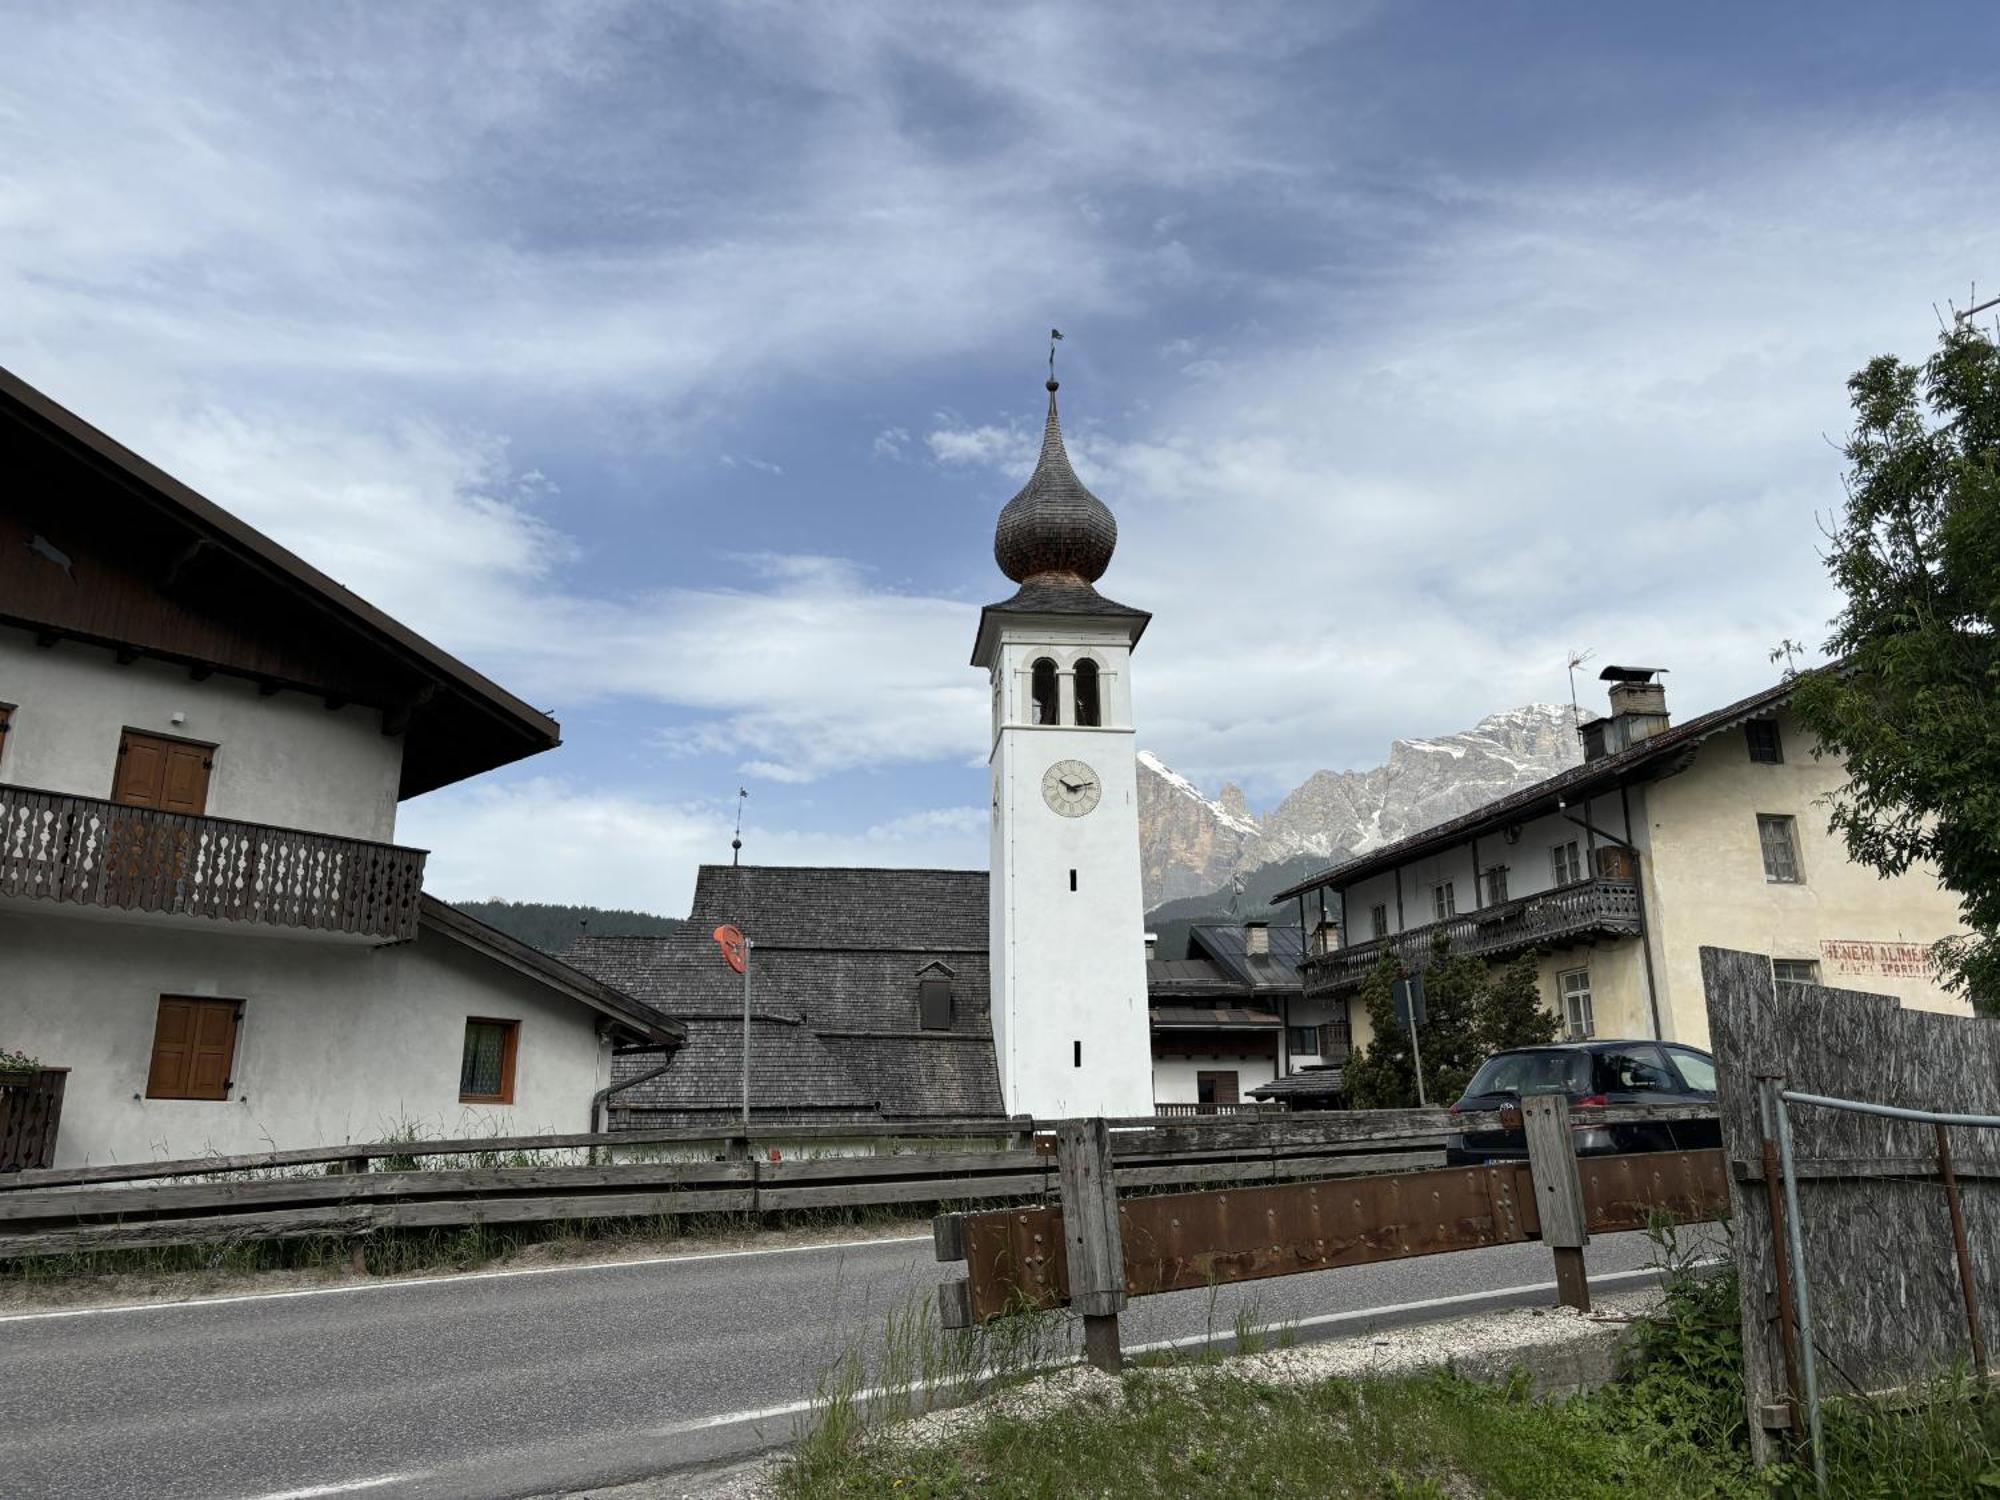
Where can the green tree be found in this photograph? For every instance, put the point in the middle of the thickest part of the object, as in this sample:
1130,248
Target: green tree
1382,1075
1471,1011
1912,703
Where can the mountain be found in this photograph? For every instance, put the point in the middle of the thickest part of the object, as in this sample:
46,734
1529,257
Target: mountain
553,928
1192,848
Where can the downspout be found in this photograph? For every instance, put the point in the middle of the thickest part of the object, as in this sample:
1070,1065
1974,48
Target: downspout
1638,889
599,1111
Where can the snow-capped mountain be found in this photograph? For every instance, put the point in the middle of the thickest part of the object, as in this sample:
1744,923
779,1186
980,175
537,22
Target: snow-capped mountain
1190,845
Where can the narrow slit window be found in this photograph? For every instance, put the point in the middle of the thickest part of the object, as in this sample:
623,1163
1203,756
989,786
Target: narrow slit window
1076,1057
1088,711
1072,880
1042,685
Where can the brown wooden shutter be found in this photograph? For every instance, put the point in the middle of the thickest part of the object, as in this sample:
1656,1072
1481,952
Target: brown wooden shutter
171,775
194,1049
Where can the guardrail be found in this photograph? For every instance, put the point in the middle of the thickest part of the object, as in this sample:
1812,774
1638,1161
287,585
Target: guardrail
1114,1248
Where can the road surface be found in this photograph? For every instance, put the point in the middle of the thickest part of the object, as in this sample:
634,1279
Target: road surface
520,1383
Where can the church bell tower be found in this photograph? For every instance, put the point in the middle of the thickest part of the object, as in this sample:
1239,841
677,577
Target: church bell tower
1070,1026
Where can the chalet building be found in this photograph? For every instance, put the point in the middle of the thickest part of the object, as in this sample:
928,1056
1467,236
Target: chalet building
869,999
1614,874
204,915
1227,1019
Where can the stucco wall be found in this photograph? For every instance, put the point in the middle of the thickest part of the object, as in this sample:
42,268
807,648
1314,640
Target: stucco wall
1617,985
1707,878
337,1043
1174,1079
284,760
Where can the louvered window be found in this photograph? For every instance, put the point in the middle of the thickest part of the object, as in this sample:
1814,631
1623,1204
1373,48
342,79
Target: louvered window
194,1048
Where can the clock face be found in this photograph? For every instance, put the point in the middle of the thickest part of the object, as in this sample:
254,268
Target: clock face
1071,788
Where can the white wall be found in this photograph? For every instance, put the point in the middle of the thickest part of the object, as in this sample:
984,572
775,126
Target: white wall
337,1043
1069,966
283,760
1174,1079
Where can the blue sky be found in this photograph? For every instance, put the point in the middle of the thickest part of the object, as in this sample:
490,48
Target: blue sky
670,363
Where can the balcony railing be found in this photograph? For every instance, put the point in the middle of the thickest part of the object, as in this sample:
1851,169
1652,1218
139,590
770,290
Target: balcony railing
1586,908
91,852
1176,1111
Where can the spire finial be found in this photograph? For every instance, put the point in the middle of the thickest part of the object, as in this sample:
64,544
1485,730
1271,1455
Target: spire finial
1055,337
736,844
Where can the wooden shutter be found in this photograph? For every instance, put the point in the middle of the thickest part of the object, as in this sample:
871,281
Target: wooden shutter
194,1049
171,775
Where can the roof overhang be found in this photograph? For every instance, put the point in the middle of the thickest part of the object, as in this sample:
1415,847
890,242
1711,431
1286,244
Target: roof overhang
996,619
639,1027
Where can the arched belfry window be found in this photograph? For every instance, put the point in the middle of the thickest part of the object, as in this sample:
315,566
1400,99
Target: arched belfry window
1087,708
1042,684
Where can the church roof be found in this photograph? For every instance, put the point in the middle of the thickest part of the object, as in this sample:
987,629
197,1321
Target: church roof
1054,526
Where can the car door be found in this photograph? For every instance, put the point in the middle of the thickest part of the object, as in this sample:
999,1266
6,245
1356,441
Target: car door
1639,1073
1697,1073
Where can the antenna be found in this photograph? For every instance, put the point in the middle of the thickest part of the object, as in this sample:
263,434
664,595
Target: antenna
1576,659
736,843
1957,317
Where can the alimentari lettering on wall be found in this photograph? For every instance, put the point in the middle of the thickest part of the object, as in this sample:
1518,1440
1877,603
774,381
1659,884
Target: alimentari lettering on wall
1898,960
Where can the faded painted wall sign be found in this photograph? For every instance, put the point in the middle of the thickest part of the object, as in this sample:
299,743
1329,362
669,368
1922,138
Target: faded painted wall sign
1898,960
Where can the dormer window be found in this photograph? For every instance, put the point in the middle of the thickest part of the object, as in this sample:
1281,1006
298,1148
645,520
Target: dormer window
934,997
1042,686
1087,710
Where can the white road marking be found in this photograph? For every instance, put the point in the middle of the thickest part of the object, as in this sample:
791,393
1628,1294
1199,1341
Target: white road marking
391,1286
1359,1315
347,1488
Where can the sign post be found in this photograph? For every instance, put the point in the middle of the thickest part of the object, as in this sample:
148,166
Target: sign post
1409,1001
736,953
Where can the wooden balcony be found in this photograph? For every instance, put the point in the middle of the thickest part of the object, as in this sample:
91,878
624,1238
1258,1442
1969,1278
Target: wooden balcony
89,852
1547,919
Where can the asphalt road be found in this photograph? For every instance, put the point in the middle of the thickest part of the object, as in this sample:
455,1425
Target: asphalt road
524,1383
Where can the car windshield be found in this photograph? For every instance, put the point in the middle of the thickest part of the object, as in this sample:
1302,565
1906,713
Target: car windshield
1563,1072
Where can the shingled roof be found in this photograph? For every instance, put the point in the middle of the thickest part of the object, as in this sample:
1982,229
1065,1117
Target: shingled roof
835,959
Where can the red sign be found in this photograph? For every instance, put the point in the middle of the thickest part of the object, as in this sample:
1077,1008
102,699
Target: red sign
730,940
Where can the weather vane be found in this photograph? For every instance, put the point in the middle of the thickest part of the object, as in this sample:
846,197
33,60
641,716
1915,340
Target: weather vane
736,843
1055,337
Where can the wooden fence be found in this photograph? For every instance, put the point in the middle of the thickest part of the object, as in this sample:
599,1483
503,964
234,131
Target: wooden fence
222,1200
30,1114
1882,1215
1095,1249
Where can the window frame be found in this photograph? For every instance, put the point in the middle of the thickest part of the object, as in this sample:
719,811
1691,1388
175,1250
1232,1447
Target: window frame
1790,827
1090,715
510,1045
1566,862
1378,920
1292,1047
200,1003
1444,900
930,981
1035,698
1771,753
1212,1079
1811,964
1565,994
1494,880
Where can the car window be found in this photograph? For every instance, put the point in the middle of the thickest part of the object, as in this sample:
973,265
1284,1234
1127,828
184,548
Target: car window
1554,1072
1699,1071
1634,1070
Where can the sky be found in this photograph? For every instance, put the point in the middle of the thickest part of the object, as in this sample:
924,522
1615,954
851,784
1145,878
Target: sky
670,364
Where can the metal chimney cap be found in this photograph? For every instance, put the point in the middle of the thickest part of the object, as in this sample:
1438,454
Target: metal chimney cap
1629,674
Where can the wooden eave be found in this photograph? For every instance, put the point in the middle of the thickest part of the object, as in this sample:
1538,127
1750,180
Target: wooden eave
230,600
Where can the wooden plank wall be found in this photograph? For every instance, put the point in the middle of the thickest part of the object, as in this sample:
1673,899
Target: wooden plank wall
1885,1292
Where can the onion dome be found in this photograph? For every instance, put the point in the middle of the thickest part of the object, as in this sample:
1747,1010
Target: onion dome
1054,528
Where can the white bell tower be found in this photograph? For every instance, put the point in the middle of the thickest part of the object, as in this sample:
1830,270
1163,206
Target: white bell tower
1070,1025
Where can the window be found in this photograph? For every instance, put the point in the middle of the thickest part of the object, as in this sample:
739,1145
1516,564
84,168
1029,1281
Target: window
1697,1071
1302,1041
6,721
1578,1018
194,1048
1795,970
1496,885
934,998
1336,1041
1444,900
1636,1069
1779,838
1566,863
154,771
1215,1088
1088,709
486,1070
1042,685
1765,746
1378,919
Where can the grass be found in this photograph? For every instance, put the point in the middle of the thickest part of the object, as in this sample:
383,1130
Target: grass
1672,1425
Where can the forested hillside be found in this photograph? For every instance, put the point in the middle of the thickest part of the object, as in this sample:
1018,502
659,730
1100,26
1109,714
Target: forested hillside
553,928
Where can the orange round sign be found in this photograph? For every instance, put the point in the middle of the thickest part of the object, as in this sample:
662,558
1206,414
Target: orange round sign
730,940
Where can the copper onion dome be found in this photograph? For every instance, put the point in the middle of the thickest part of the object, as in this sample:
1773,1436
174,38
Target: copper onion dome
1054,526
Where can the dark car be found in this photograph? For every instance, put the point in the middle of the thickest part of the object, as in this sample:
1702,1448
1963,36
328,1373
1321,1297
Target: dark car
1589,1073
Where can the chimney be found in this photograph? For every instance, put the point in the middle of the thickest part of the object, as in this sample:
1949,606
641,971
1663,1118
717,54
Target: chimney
1638,711
1257,939
1152,946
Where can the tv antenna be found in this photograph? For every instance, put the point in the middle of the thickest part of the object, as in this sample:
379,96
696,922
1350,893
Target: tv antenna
736,843
1576,659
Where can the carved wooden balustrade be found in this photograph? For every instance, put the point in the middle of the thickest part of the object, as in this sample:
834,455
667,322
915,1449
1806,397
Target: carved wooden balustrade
92,852
1585,908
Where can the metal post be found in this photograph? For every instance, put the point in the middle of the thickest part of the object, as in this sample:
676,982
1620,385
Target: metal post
1963,1252
1417,1057
747,946
1801,1280
1781,1256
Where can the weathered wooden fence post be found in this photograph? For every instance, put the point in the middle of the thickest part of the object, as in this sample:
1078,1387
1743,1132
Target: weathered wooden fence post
1558,1193
1095,1245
